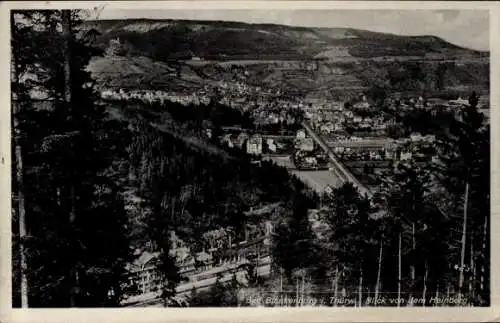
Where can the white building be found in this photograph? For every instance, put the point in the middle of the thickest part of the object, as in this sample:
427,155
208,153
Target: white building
254,145
405,156
301,134
271,145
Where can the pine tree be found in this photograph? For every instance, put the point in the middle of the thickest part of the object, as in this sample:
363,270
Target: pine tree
19,101
294,241
67,166
464,171
353,239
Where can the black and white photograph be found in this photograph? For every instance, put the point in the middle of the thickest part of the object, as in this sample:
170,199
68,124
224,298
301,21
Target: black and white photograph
287,158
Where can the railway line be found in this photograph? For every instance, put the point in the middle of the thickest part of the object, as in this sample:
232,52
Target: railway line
338,169
209,277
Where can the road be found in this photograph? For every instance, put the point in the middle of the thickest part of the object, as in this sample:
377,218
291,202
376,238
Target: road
338,169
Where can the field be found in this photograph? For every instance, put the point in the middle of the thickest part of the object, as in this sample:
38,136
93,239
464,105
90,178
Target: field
318,180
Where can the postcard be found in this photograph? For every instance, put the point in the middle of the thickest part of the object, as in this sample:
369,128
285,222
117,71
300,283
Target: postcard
249,161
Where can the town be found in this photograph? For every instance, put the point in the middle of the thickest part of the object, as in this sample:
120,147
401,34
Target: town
358,134
366,145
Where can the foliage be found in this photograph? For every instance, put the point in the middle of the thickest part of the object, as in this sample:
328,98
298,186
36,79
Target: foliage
67,149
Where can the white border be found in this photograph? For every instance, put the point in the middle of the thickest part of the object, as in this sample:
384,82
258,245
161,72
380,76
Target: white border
242,314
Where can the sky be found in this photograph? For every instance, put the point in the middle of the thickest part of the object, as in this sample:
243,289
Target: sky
466,28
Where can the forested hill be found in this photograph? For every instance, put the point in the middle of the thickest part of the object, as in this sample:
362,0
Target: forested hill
317,62
201,186
171,39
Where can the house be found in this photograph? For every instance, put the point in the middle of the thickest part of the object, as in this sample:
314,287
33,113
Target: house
271,145
311,161
301,134
405,156
364,125
430,138
361,105
339,149
458,102
326,128
306,144
416,137
142,272
114,47
254,145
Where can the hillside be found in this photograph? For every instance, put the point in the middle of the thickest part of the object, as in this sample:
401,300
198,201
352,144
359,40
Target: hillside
158,54
171,39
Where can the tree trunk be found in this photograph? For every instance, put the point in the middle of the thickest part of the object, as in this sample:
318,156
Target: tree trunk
437,295
21,203
281,281
172,211
399,270
377,285
485,256
464,238
297,292
336,289
412,267
472,269
360,288
303,289
66,29
22,227
424,292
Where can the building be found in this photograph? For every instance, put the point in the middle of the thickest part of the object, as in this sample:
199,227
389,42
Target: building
114,47
301,134
458,102
405,156
271,145
390,154
254,145
416,136
143,276
311,161
306,144
373,144
361,105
